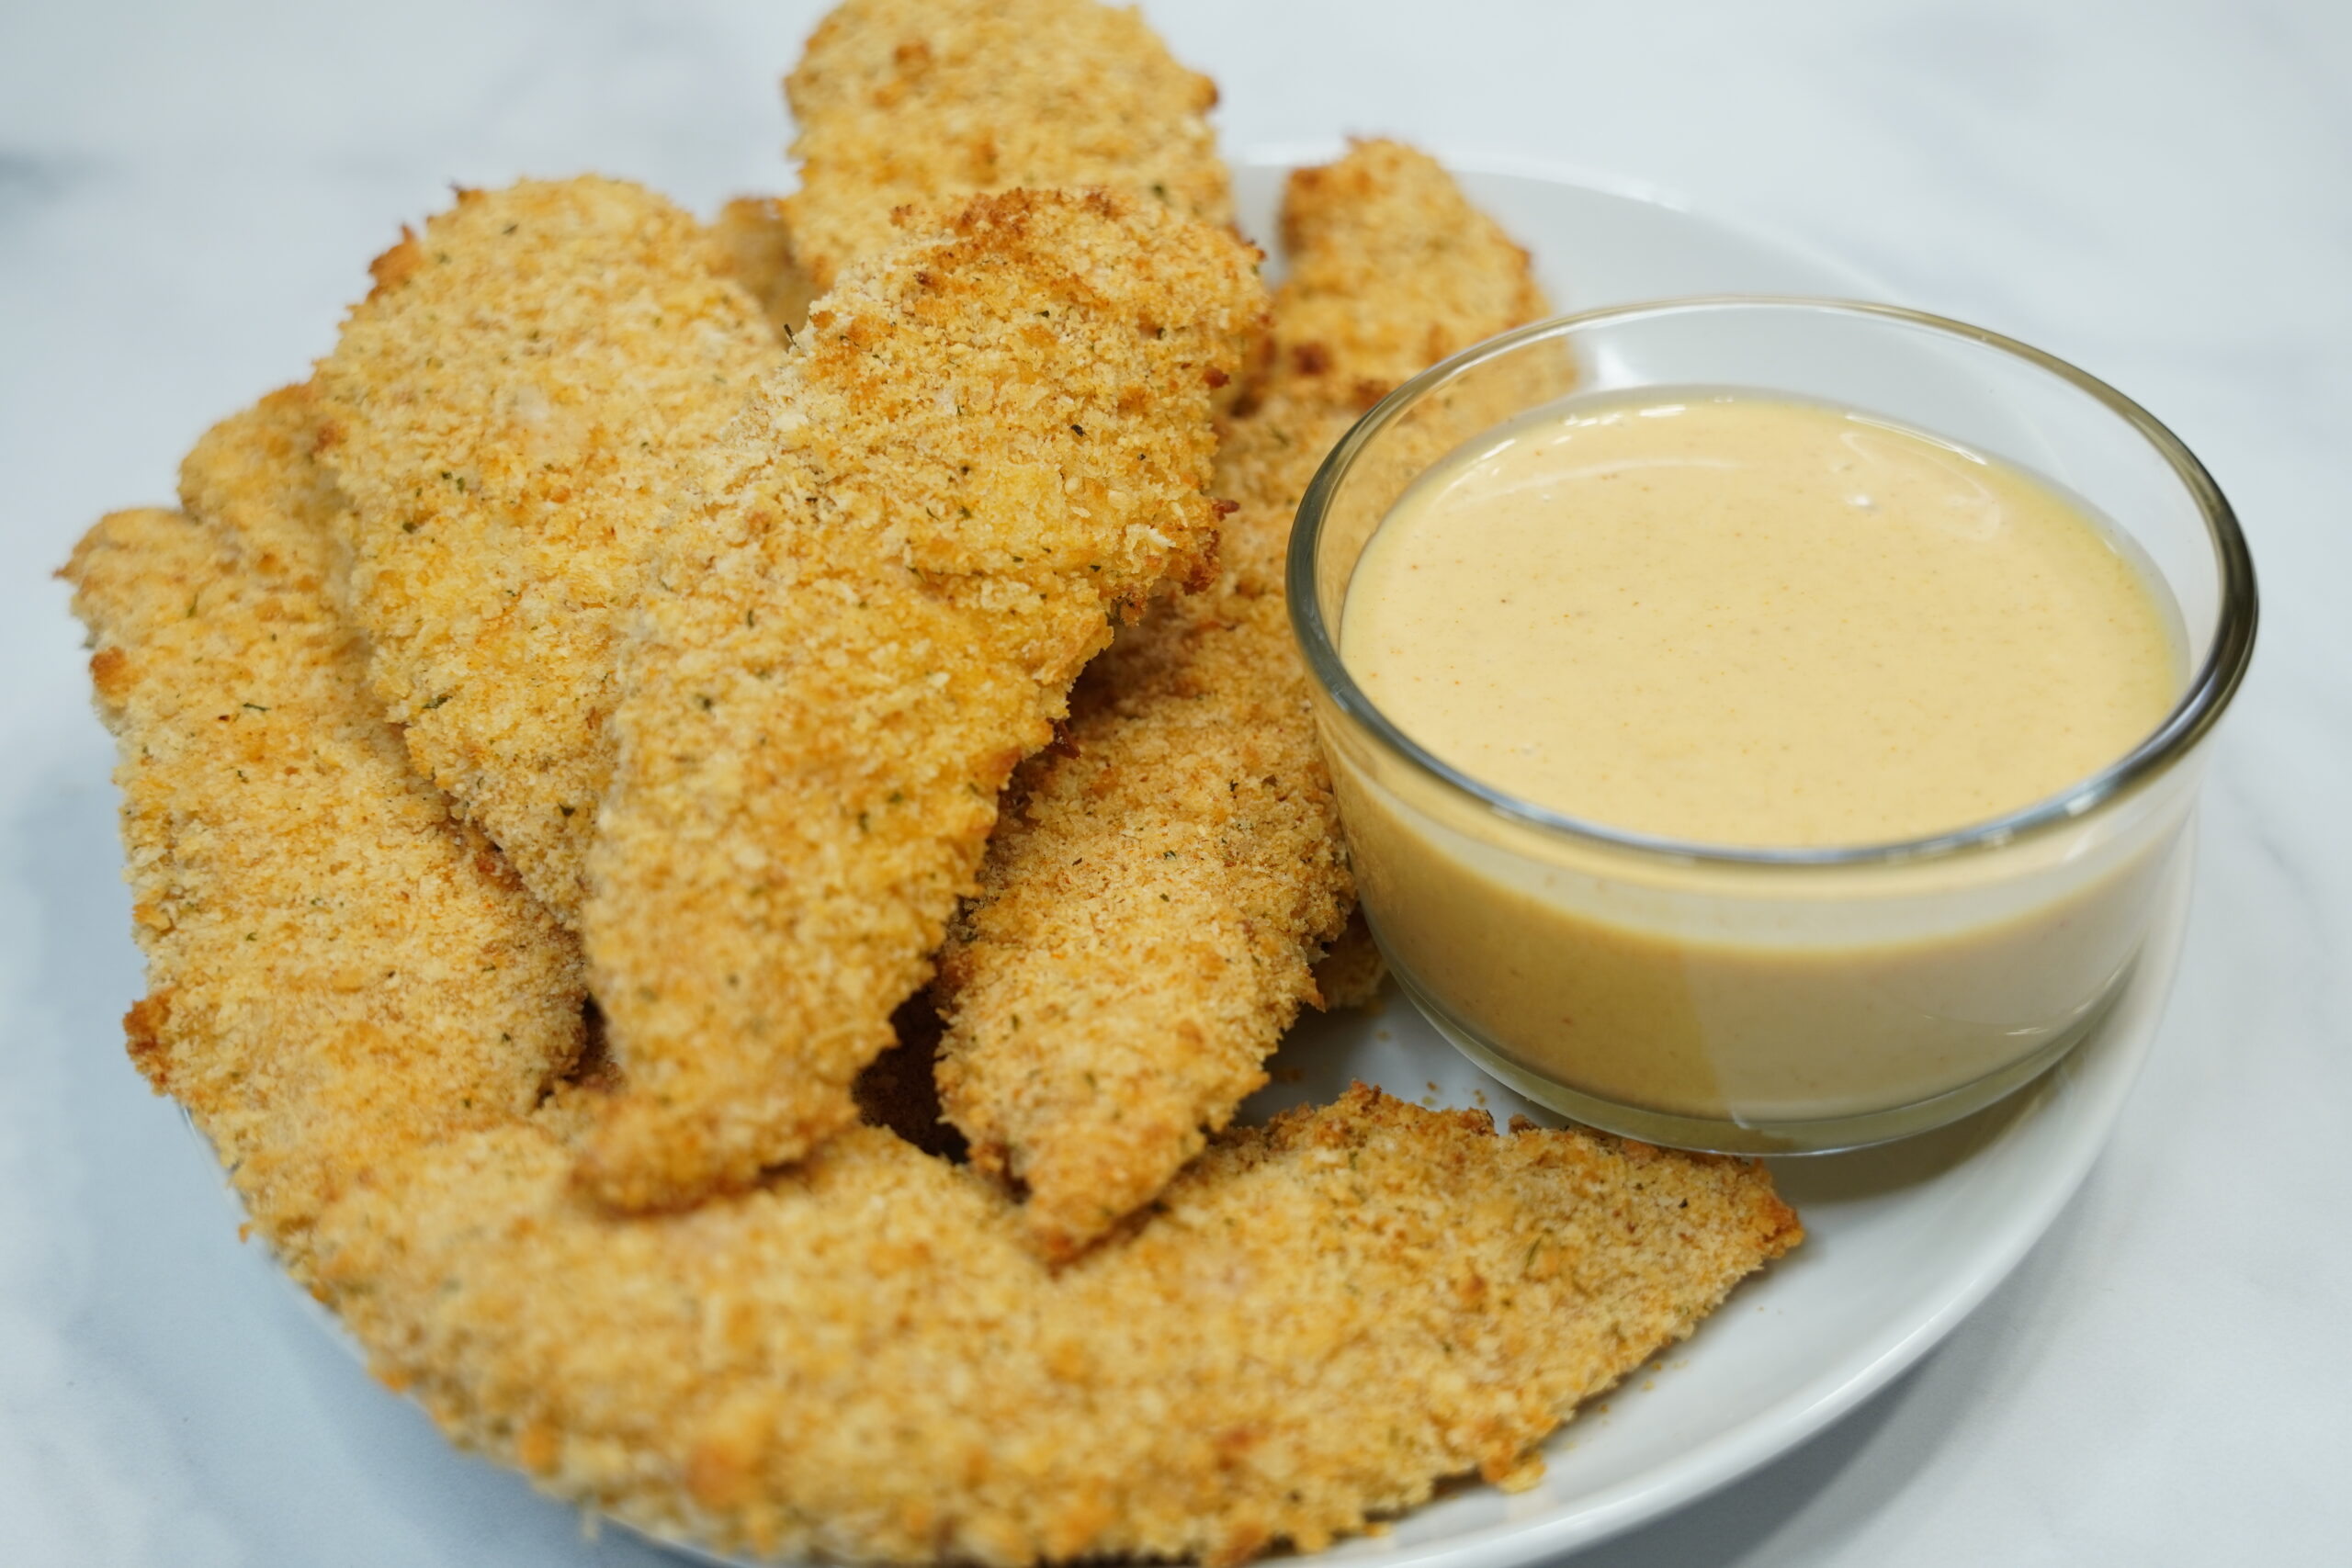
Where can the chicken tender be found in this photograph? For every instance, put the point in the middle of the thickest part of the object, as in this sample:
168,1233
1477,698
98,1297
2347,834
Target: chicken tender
1391,270
992,442
902,102
516,403
861,1358
337,972
1151,905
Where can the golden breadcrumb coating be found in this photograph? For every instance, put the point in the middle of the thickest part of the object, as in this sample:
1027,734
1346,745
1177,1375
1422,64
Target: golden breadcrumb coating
990,442
513,401
902,102
1151,907
862,1358
1350,229
754,246
337,971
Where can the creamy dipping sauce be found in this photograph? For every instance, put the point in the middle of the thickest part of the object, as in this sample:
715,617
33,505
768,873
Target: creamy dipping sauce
1746,621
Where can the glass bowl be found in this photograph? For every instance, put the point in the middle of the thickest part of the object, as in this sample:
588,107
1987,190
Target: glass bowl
1768,1000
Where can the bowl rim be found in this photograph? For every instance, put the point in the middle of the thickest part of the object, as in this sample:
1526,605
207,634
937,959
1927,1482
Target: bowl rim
2210,689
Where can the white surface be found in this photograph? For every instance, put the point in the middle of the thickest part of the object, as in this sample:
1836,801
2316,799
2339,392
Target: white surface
2160,191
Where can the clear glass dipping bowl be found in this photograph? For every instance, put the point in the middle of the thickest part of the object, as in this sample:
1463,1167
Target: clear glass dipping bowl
1771,1000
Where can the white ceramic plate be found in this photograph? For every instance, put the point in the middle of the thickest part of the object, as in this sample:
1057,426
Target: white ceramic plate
1903,1242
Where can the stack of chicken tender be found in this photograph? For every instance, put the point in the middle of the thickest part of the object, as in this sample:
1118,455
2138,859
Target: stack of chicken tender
559,735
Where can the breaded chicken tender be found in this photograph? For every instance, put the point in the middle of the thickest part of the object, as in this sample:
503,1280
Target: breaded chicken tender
992,442
1391,270
514,403
1150,906
338,973
901,102
862,1358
